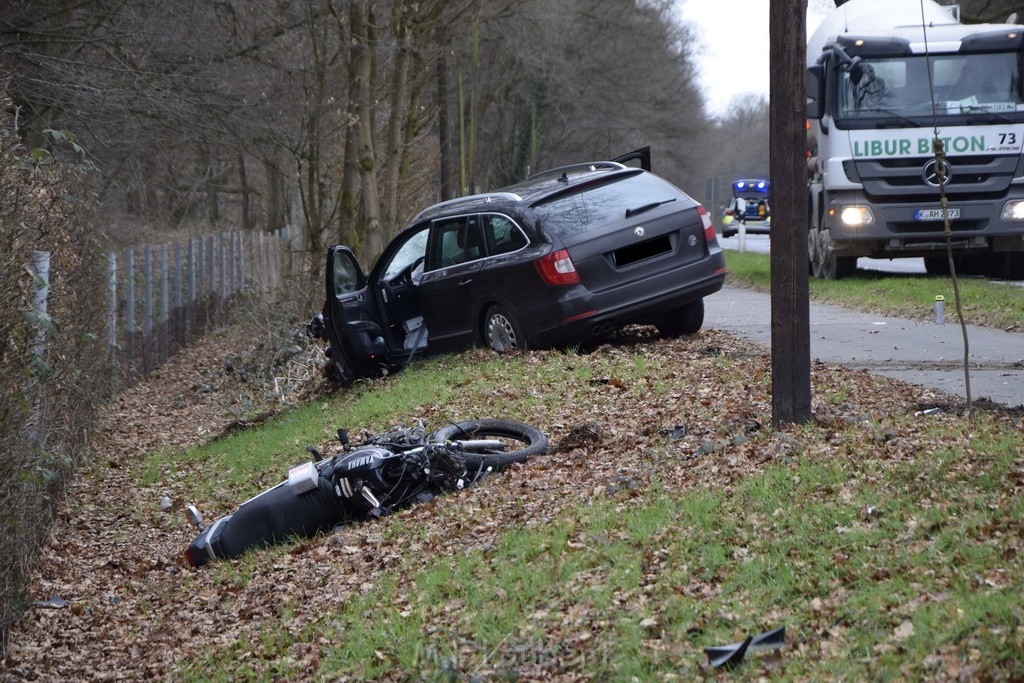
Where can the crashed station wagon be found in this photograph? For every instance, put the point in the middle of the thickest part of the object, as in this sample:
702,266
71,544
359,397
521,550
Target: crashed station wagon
563,258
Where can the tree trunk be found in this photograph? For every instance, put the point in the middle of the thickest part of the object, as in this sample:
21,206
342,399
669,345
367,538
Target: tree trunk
275,195
373,237
398,114
243,184
443,124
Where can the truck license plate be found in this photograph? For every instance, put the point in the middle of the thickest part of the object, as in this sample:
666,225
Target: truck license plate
935,214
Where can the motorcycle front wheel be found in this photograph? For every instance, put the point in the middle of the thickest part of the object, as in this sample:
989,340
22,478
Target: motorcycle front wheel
493,443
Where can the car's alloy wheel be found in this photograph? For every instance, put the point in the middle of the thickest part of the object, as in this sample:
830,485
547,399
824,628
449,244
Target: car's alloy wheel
501,332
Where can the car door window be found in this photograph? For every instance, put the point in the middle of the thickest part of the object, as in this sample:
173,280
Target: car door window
453,241
348,277
502,235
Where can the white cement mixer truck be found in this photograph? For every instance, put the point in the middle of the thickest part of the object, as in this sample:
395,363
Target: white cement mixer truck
886,77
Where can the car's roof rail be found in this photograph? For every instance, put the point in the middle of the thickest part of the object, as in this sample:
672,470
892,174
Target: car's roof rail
587,166
468,199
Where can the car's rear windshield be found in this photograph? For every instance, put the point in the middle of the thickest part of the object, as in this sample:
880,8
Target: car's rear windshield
596,205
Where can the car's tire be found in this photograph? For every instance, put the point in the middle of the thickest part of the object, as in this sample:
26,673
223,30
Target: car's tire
686,320
501,332
936,265
521,442
974,264
1015,267
1007,265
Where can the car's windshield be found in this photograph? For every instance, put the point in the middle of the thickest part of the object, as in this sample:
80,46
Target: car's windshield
898,87
415,247
597,205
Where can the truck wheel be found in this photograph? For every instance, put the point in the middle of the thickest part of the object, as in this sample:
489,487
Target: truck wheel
829,266
974,264
1015,267
812,250
1006,265
936,265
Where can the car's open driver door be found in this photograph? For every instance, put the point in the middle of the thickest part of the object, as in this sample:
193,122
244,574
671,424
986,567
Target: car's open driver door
351,322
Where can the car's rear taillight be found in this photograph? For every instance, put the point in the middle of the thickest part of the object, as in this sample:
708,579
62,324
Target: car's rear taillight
557,268
191,560
709,227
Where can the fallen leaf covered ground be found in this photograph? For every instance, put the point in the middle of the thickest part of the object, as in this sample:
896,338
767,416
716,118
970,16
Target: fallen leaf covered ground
113,601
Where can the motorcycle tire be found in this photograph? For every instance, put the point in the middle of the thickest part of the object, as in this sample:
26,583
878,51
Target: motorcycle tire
522,441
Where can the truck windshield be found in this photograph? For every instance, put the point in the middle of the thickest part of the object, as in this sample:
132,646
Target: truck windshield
963,84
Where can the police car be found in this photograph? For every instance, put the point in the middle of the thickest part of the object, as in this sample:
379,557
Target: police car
751,200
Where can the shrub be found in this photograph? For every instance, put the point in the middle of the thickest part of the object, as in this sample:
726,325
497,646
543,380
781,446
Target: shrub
51,367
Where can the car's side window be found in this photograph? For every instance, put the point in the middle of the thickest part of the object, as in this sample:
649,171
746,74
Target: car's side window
502,235
454,241
346,275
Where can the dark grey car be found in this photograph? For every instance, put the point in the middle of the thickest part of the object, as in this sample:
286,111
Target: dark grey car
563,258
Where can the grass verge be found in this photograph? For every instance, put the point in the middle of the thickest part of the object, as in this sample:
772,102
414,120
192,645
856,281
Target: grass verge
986,303
889,544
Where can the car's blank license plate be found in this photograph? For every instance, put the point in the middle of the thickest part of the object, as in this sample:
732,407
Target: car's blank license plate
935,214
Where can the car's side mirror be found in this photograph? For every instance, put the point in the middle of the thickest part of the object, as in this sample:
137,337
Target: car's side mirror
816,92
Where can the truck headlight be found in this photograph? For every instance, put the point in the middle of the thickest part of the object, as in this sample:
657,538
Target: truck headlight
1013,210
854,216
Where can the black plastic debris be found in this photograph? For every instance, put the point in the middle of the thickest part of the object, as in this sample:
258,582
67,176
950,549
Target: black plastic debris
730,655
769,640
677,432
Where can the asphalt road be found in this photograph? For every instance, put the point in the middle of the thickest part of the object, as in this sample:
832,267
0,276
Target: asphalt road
928,354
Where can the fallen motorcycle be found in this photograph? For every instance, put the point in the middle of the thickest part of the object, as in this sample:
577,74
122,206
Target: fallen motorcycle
385,472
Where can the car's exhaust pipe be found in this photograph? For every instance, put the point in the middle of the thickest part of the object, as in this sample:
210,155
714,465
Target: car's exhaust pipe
602,329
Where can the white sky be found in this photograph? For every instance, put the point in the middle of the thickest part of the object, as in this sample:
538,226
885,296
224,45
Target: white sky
734,52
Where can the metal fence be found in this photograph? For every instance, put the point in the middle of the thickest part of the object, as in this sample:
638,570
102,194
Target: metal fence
160,297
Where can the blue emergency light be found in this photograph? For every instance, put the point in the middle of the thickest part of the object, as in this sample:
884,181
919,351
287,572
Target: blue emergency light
751,185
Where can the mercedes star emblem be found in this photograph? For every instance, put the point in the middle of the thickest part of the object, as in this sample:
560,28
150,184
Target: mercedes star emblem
639,232
931,173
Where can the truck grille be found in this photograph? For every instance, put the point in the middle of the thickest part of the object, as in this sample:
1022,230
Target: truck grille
895,179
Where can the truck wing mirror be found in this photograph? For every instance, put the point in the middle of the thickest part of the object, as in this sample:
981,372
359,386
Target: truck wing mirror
815,92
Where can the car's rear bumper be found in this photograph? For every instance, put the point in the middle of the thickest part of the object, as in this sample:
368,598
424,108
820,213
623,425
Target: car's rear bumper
588,316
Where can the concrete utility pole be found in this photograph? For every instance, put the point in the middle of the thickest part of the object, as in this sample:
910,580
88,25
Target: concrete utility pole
791,339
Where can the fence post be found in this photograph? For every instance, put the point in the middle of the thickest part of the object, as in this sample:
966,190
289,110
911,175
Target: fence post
112,313
165,304
179,312
230,237
241,261
147,307
211,286
260,276
222,282
129,310
201,286
40,297
191,317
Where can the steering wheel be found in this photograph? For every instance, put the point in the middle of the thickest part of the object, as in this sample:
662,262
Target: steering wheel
407,275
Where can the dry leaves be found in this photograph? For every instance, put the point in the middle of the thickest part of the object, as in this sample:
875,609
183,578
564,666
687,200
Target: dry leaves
133,612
